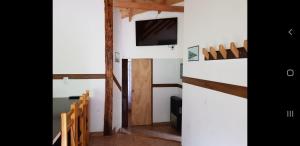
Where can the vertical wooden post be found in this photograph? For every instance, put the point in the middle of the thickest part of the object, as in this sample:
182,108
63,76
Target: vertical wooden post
74,126
82,128
86,135
162,2
87,119
64,130
108,67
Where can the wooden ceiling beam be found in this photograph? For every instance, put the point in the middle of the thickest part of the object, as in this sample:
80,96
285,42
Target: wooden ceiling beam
131,12
162,2
124,11
148,6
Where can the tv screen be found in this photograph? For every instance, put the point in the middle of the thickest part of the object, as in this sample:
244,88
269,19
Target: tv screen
156,32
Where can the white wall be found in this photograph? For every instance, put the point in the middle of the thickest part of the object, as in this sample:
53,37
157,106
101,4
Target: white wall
165,71
117,71
217,22
125,38
161,103
213,118
78,36
78,48
124,43
117,108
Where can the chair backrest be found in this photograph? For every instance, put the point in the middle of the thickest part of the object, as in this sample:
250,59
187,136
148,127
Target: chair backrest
83,119
69,122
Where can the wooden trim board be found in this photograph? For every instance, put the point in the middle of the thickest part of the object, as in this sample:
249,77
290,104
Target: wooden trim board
148,6
166,85
78,76
217,86
117,83
124,12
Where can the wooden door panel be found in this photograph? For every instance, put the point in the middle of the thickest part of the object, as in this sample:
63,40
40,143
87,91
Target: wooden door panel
141,108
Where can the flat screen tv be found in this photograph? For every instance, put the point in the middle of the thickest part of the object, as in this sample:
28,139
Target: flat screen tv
156,32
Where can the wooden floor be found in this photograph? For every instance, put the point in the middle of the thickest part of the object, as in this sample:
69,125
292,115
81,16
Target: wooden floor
160,127
157,127
129,140
155,135
162,134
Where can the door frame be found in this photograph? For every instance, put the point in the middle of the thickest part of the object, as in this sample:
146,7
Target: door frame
124,93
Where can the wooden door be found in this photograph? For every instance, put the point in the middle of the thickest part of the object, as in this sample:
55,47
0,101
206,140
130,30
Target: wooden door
141,108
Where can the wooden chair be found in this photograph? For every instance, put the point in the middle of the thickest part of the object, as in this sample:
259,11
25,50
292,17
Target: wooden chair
87,116
69,122
83,119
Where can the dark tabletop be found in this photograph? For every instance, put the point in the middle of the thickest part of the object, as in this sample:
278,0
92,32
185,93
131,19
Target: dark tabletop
60,105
